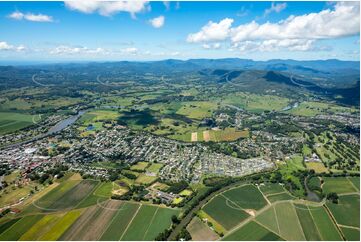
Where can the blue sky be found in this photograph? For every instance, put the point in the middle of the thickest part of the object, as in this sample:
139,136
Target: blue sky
76,31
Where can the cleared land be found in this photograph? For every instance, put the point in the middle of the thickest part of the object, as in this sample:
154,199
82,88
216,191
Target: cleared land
92,222
200,231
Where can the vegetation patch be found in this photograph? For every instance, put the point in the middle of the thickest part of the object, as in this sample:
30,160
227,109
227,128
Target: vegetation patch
252,231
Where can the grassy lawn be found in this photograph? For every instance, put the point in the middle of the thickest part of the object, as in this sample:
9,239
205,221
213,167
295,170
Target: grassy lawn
146,180
155,167
140,166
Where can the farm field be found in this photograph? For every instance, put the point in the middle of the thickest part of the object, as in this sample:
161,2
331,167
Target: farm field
11,121
225,212
252,232
347,211
246,197
338,184
282,220
200,231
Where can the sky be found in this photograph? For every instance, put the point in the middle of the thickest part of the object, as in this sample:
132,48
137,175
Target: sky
143,30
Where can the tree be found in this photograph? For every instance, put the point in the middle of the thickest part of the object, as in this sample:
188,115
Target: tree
332,196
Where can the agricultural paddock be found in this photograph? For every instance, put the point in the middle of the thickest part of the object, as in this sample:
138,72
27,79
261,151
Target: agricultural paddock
252,231
148,222
246,197
225,212
140,166
145,179
347,211
318,167
199,231
11,121
338,185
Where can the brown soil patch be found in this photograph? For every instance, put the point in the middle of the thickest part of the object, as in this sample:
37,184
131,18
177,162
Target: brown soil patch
206,136
251,212
194,137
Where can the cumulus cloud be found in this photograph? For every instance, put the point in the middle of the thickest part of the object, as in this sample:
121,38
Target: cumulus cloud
278,7
296,33
17,15
212,32
108,8
157,22
4,46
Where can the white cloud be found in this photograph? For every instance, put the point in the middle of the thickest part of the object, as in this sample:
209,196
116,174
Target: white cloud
296,33
130,50
278,7
157,22
212,32
17,15
8,47
108,8
74,50
211,46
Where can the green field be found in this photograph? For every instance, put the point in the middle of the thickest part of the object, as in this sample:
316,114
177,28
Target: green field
351,234
347,211
308,226
10,122
20,227
269,220
355,181
290,227
148,223
252,232
104,189
338,184
120,221
271,188
247,197
140,166
225,212
280,197
61,226
326,228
